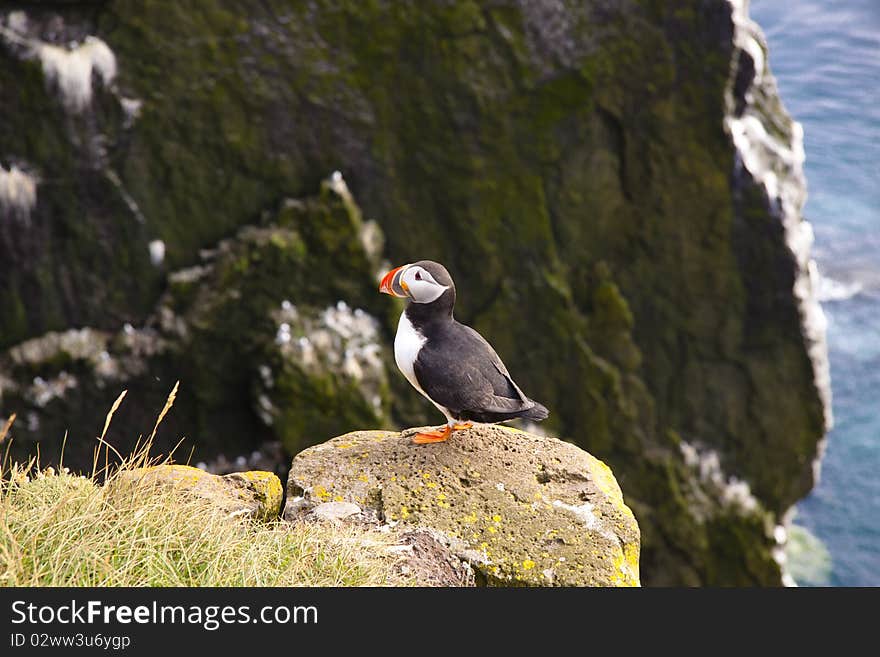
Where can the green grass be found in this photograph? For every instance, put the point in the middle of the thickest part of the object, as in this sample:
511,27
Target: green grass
60,529
64,529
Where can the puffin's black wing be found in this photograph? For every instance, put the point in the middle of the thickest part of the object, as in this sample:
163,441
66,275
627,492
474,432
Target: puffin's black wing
458,369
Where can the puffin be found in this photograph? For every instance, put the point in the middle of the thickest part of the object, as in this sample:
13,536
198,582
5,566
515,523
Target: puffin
449,363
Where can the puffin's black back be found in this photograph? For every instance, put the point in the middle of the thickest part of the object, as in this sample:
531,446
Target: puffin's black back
459,370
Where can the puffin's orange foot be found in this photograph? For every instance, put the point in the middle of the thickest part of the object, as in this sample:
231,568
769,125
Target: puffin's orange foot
432,436
462,425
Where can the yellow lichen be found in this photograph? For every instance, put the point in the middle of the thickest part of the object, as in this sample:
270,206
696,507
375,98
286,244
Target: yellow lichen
511,429
268,488
528,564
604,479
626,566
262,495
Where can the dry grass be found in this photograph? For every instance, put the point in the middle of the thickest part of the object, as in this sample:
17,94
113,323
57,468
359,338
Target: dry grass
62,529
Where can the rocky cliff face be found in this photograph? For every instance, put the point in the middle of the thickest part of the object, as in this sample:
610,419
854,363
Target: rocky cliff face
615,187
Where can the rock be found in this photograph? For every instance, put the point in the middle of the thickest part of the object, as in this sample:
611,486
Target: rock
606,165
255,493
429,561
308,362
305,324
521,509
335,511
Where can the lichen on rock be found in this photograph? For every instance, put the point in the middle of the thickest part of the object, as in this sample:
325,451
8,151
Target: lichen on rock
521,509
255,494
639,195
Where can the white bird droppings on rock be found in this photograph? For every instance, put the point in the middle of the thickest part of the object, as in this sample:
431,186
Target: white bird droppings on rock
338,338
282,336
337,183
583,512
157,252
17,21
777,163
70,69
132,108
42,391
18,192
730,491
780,534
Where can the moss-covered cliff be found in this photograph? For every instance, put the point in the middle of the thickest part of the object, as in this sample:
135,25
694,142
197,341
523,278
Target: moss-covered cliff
569,162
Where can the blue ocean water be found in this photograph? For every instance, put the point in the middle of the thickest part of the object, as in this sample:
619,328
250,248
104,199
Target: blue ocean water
826,60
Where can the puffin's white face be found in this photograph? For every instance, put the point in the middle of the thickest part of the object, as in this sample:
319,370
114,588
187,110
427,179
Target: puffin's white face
420,286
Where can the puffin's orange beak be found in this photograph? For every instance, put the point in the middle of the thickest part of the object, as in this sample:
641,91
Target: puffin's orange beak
387,286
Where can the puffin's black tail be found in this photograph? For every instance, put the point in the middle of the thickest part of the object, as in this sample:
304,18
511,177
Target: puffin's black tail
536,413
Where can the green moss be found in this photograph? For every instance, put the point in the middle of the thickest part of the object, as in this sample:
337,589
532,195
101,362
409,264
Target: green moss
82,257
311,256
314,407
578,189
15,320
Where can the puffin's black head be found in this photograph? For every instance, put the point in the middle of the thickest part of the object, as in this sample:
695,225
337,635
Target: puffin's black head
422,282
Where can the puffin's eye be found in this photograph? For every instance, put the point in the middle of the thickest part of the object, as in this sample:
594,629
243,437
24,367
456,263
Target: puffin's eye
418,276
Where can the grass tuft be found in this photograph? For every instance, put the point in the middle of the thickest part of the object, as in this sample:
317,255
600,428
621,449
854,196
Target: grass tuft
6,427
62,529
58,528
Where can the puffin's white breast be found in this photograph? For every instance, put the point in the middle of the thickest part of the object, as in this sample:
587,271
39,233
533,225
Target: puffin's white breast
407,344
